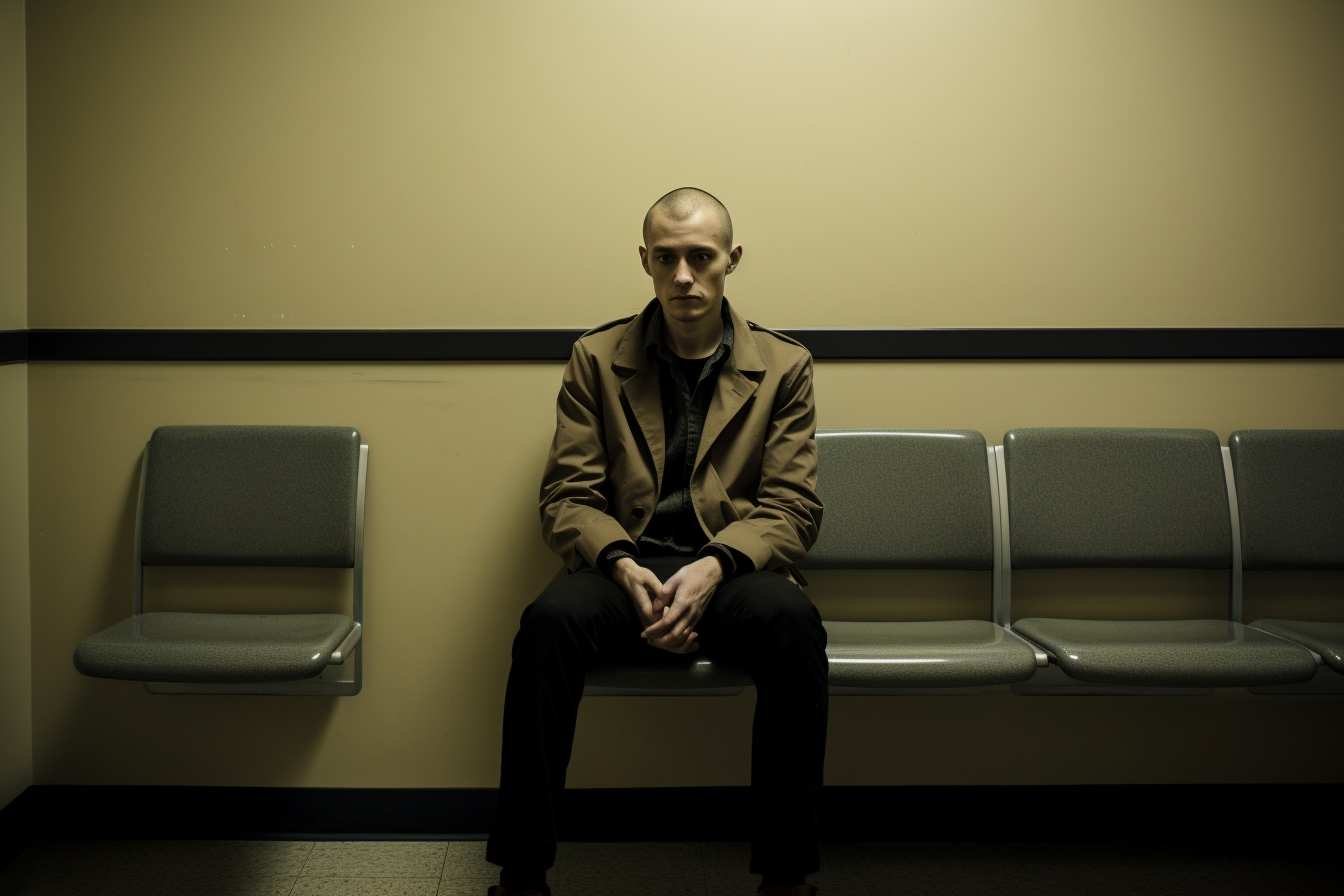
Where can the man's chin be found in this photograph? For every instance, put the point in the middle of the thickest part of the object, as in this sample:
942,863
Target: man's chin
688,308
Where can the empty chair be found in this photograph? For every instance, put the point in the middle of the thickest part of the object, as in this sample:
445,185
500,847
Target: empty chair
1133,498
1290,500
242,496
914,500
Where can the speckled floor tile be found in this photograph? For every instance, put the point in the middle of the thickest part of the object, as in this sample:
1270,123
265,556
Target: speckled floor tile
466,858
144,863
629,861
366,886
146,886
375,859
471,886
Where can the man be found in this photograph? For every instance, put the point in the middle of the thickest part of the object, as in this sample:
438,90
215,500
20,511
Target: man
679,490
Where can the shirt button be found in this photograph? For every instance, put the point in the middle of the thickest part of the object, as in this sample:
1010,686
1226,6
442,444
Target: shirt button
638,513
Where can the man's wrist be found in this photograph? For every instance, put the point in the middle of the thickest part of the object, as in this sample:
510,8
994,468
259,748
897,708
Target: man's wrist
727,563
612,554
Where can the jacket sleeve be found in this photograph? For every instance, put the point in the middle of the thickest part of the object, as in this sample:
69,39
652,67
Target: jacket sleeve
787,515
574,518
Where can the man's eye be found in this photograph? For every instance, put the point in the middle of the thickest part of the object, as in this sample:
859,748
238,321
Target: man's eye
665,258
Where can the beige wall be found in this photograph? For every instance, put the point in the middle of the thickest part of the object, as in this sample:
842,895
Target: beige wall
13,170
462,165
923,163
16,717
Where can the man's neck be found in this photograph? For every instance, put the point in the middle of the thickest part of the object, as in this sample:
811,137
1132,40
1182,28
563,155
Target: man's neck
694,339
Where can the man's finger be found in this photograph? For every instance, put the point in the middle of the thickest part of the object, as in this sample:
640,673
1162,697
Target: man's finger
684,645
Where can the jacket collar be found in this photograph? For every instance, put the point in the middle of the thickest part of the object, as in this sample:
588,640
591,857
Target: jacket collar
631,354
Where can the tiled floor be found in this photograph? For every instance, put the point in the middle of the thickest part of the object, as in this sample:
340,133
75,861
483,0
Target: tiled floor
402,868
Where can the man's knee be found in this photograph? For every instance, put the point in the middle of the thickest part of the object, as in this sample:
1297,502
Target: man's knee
559,607
780,608
573,609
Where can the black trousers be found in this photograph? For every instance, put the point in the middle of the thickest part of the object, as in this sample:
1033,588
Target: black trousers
761,621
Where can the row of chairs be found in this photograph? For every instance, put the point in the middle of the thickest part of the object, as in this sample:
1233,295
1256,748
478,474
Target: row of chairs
1046,498
1066,498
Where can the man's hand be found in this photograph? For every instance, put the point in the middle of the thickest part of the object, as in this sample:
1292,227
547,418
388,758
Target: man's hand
641,586
680,603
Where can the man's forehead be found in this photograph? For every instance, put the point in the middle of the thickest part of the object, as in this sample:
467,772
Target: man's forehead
701,227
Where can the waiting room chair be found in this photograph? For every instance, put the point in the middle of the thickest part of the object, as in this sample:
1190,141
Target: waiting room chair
243,496
917,499
1290,500
1084,497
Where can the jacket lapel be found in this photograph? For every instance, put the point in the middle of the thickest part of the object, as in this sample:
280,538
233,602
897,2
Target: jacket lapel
735,385
642,391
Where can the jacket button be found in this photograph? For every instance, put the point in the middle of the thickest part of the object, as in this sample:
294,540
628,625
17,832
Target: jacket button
638,513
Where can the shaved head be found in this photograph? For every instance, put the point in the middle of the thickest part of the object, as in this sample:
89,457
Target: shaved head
684,202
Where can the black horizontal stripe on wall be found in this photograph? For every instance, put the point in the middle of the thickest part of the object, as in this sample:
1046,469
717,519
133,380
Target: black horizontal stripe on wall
13,346
554,344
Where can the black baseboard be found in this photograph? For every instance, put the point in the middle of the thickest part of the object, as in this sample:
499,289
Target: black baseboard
1017,813
1039,343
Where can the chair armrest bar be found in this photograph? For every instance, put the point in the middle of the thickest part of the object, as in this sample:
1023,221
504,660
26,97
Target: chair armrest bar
1234,583
340,653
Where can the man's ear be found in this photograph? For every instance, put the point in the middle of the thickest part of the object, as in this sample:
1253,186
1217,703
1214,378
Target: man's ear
734,256
644,260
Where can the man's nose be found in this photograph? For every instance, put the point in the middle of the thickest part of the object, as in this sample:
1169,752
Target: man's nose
683,275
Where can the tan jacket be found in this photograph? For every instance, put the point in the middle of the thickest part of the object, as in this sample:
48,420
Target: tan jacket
754,481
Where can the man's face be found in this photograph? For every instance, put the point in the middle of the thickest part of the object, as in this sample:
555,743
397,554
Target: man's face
688,263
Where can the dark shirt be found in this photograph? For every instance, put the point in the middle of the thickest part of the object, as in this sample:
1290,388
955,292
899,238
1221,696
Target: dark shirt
687,387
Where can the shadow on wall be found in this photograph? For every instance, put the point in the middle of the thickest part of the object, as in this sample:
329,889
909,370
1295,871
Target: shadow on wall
192,736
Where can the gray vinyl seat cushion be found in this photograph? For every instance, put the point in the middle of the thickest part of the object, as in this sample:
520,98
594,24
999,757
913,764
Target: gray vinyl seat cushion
250,496
215,648
1290,497
903,499
1325,638
1117,497
1185,653
957,654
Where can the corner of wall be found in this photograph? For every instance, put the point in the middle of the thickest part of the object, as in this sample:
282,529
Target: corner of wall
16,710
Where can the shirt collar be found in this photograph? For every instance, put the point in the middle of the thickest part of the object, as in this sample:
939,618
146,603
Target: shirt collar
655,336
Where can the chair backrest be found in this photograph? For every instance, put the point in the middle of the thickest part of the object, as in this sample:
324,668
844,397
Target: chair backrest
903,499
1084,497
1290,497
250,496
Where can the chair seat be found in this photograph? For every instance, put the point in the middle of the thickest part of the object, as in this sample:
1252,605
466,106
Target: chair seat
661,672
1326,638
1184,653
961,653
214,647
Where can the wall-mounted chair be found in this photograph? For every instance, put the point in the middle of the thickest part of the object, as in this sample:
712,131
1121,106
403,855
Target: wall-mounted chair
1134,498
915,500
243,496
1290,500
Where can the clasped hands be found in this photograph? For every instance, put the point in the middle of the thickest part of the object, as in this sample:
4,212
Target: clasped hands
669,610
